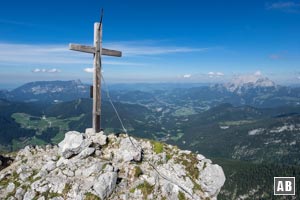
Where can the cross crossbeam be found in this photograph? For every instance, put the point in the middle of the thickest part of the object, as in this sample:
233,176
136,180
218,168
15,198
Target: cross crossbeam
97,50
90,49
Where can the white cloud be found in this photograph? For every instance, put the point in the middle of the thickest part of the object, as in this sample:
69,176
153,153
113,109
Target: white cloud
251,78
288,6
150,48
36,70
258,73
280,5
60,54
215,74
54,70
20,54
187,76
89,70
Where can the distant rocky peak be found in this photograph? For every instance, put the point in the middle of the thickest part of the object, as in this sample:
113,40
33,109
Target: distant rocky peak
244,82
77,82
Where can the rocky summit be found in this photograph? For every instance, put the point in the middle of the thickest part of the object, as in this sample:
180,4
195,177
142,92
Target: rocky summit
97,166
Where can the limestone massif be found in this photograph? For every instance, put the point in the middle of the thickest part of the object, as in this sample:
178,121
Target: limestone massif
97,166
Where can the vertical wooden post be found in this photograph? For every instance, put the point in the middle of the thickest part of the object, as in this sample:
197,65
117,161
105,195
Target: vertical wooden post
97,77
97,51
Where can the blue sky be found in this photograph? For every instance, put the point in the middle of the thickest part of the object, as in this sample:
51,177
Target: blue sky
162,41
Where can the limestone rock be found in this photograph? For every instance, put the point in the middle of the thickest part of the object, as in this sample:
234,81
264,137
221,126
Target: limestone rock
49,166
10,187
93,165
25,175
86,152
129,150
200,157
105,184
87,171
212,178
98,138
29,195
20,193
72,144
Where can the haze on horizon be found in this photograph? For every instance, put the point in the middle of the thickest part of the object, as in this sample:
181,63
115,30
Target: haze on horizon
169,41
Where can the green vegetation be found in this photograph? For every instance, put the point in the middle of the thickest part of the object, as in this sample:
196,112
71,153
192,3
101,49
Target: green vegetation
204,166
190,115
67,188
196,186
52,195
91,196
47,130
190,162
146,189
184,112
13,178
132,190
177,137
181,196
137,171
58,137
237,123
158,147
202,133
168,156
41,124
242,177
4,182
36,141
31,178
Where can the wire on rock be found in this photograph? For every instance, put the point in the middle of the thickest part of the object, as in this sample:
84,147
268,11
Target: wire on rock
140,148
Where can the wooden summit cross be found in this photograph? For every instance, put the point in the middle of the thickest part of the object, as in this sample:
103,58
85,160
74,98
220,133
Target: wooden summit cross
97,50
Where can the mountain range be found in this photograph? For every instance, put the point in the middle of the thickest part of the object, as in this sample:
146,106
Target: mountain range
250,124
48,91
254,90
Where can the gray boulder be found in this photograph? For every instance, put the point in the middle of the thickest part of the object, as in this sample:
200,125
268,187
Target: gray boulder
129,150
211,179
49,166
105,184
10,187
72,144
98,138
20,193
29,195
86,153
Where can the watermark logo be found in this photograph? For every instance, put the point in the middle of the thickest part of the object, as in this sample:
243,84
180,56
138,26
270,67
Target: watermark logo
284,185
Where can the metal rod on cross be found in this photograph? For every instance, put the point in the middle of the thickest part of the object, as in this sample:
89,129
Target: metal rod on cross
97,50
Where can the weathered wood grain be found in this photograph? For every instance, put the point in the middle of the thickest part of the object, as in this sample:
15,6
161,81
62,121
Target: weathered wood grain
82,48
97,50
108,52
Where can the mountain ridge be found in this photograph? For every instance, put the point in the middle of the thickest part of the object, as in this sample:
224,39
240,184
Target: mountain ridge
94,165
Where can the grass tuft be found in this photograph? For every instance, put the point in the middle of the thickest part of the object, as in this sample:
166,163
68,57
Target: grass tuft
157,147
91,196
